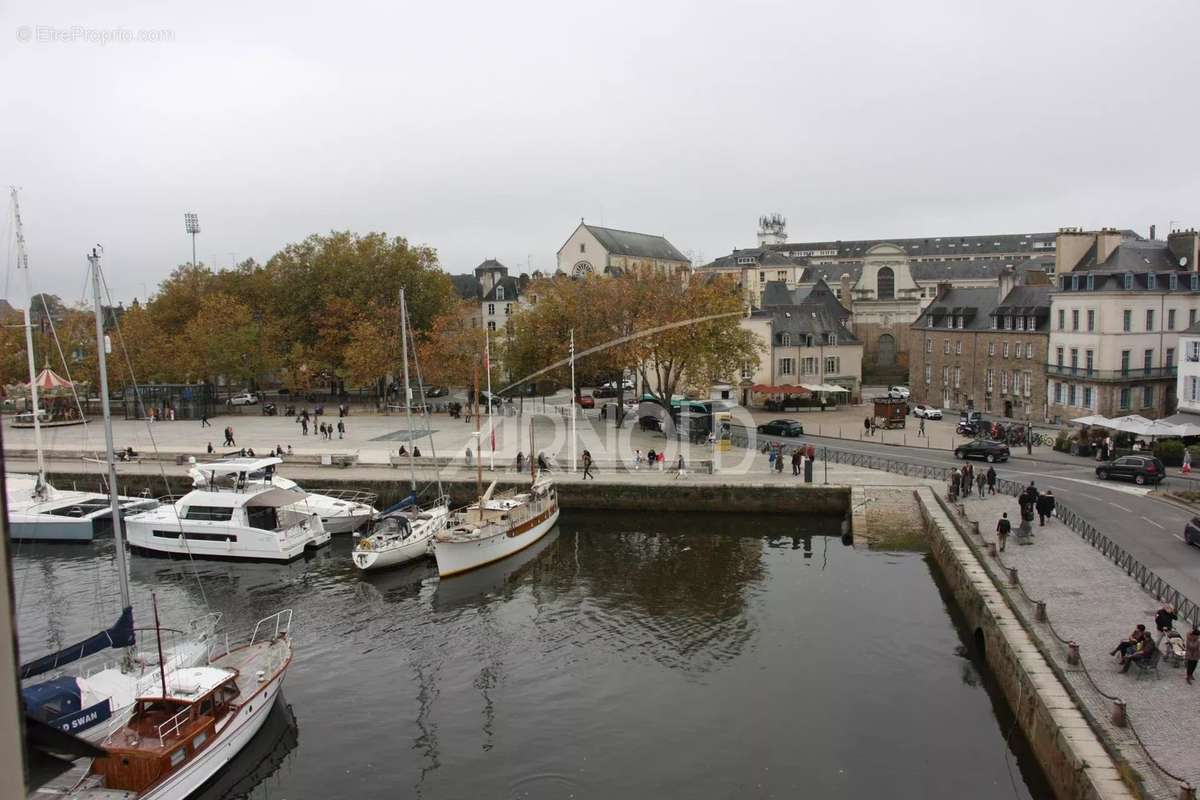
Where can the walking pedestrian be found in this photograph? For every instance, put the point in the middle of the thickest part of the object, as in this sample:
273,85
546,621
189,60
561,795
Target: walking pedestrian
304,426
1003,529
955,483
662,457
980,482
874,426
520,461
637,459
1191,651
587,466
1045,507
341,429
467,455
921,427
991,480
771,460
1187,461
779,461
965,482
867,425
651,457
204,423
604,412
210,448
796,461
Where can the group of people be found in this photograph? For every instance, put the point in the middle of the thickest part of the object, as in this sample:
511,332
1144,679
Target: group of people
416,451
325,429
776,455
651,459
1141,645
963,481
869,426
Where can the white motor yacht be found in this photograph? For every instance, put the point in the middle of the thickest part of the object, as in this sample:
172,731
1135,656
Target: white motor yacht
400,537
340,510
39,512
248,520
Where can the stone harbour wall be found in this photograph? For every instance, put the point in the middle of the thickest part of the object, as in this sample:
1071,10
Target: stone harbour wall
1071,753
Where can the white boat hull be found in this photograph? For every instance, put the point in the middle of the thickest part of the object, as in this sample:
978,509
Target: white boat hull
242,728
346,523
418,544
156,533
457,556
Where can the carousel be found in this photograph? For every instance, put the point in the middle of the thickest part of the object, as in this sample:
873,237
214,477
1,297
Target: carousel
56,396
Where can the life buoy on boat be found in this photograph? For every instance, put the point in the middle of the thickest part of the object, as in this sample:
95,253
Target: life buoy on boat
364,544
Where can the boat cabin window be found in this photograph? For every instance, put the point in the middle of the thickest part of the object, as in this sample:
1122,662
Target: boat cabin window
263,475
262,517
158,709
206,705
209,513
178,756
227,694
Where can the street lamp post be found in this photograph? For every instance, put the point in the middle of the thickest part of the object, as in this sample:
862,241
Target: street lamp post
191,223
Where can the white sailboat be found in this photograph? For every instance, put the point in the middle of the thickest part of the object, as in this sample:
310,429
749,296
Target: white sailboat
36,510
79,704
497,527
407,533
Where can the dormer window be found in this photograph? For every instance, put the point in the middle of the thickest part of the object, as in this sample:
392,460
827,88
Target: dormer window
1151,280
1031,323
785,339
1074,283
499,292
1091,283
1195,281
1020,323
1173,282
1128,280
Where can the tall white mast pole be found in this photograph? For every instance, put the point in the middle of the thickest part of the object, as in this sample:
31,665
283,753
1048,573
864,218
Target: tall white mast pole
102,361
574,402
23,265
487,345
412,464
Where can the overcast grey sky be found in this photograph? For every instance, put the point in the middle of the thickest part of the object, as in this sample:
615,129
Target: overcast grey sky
489,129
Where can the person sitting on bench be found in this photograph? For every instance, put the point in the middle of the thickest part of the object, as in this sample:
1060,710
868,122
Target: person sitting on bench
1145,653
1130,645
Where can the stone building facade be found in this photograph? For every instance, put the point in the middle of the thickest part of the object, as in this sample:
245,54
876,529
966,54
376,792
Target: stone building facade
595,250
984,349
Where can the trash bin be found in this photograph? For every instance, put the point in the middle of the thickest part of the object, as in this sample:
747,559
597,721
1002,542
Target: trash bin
808,464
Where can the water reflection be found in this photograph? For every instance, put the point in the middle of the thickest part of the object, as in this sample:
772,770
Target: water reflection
696,655
252,768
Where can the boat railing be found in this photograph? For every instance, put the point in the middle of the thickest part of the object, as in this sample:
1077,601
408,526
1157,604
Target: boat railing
171,727
206,625
347,495
280,623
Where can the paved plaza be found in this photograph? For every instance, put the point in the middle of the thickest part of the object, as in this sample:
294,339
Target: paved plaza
1092,602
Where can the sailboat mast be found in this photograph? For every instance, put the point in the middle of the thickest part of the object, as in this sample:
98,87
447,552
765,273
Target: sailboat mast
487,362
574,400
412,464
162,670
23,264
115,504
478,458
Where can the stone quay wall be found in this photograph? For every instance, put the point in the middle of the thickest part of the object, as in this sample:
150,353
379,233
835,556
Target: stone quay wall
752,498
1076,761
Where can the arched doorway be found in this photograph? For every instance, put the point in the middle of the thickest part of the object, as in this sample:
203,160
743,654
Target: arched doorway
887,351
885,284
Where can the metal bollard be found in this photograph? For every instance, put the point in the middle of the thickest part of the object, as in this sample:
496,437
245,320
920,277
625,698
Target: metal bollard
1073,654
1119,717
991,549
1040,611
1012,576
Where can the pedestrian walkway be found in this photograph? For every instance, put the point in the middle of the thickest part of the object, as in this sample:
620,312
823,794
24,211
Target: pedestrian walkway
1092,602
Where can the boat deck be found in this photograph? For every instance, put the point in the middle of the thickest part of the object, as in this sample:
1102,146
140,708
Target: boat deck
267,656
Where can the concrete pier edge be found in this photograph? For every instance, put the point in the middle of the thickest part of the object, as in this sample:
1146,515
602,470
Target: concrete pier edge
1074,754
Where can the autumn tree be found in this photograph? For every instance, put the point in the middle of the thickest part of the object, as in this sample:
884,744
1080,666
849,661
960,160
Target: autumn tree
452,348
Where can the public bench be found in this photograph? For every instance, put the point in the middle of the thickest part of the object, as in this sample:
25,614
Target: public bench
1148,666
342,460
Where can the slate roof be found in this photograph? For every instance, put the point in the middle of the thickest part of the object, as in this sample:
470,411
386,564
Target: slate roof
814,311
763,259
938,246
1027,301
512,290
832,273
490,264
467,286
976,306
628,243
1131,256
935,271
1114,281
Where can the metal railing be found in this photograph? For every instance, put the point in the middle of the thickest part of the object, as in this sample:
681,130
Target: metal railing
1146,577
347,495
280,621
171,727
1124,374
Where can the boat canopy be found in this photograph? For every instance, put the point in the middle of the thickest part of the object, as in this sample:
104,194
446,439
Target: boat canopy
119,635
276,497
233,466
62,693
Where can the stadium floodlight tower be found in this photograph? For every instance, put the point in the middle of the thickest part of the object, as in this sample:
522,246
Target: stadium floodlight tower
191,222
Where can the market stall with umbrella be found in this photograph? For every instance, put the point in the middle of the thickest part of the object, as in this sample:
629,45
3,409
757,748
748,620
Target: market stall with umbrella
56,396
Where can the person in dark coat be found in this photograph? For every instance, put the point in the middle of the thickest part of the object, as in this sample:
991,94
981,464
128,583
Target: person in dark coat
1045,507
1003,529
991,480
1164,621
867,426
796,461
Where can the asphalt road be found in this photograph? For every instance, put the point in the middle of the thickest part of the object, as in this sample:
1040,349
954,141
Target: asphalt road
1149,528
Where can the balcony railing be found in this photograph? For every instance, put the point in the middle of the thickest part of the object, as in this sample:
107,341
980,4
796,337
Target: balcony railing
1131,374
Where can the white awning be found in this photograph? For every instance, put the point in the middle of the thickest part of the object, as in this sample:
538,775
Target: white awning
232,466
277,497
830,387
1094,419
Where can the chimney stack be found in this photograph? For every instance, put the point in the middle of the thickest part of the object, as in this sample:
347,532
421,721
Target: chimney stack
943,289
1152,233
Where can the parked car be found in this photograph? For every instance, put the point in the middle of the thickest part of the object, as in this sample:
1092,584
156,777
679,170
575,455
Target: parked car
986,449
1140,469
1191,532
928,412
628,384
604,391
585,401
243,399
899,392
782,427
971,417
436,391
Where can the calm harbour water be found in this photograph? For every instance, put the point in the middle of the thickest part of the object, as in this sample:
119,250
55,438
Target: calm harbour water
625,655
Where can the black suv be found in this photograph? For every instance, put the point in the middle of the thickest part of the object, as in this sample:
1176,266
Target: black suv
989,451
1141,469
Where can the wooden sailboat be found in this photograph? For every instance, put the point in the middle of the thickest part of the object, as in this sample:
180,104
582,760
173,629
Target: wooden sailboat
184,730
496,527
